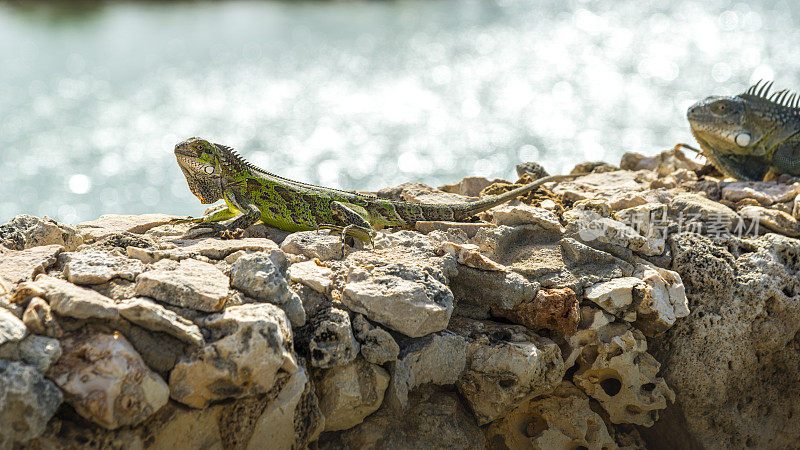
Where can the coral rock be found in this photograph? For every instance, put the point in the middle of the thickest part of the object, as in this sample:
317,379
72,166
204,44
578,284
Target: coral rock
377,345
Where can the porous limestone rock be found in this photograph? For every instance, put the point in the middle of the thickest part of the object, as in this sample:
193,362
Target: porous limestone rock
595,229
312,274
522,214
411,300
38,317
106,381
314,244
662,302
97,266
149,314
109,224
347,394
24,231
764,192
328,339
470,256
189,284
18,266
435,418
69,300
247,347
477,292
616,296
11,328
377,345
615,369
27,402
37,351
438,358
562,419
504,365
557,310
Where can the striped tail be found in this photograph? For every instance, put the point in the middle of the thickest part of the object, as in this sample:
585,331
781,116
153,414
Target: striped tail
469,209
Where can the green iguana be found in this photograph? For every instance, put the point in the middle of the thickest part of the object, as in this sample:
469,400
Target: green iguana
216,172
751,136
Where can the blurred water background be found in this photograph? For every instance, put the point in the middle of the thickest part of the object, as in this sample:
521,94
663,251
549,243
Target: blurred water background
356,94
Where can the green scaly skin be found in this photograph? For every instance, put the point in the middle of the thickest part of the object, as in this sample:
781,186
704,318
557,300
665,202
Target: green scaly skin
216,172
752,136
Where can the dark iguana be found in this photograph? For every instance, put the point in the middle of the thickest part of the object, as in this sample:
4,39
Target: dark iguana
751,136
216,172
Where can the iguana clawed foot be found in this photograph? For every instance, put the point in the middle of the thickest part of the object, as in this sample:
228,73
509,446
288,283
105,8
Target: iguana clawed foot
349,234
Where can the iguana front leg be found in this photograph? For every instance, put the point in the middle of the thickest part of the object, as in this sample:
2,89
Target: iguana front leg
218,214
357,226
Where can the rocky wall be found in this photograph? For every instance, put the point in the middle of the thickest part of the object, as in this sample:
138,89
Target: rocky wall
647,306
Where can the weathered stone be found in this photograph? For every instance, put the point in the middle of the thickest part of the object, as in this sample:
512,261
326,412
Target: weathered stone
116,289
347,394
262,275
562,419
772,219
328,339
697,213
469,186
420,193
69,300
593,229
159,351
437,358
663,301
664,163
471,229
764,192
522,214
97,267
11,328
24,265
215,248
248,346
504,365
615,369
592,167
479,291
149,314
313,275
291,420
109,224
434,419
26,231
39,318
406,299
532,168
616,296
106,381
314,244
37,351
470,256
193,284
377,345
27,402
552,309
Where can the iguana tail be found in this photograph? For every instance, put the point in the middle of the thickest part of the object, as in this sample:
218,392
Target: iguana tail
466,210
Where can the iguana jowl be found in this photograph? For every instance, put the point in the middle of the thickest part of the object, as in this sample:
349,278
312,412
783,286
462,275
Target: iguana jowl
216,172
751,136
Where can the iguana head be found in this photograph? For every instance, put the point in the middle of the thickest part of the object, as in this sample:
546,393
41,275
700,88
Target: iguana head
738,134
200,162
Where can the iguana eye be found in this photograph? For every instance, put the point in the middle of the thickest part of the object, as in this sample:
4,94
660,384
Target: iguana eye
209,169
721,107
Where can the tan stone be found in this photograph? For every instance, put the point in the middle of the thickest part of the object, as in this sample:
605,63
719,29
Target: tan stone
69,300
348,394
18,266
191,284
470,255
109,224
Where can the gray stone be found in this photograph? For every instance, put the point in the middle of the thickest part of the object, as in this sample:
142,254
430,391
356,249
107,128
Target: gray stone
404,298
26,231
696,211
262,276
18,266
313,275
478,292
27,402
616,296
522,214
192,284
434,419
347,394
437,358
106,381
38,317
764,192
505,364
159,351
314,244
97,266
69,300
149,314
247,348
11,328
37,351
532,168
328,339
377,345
